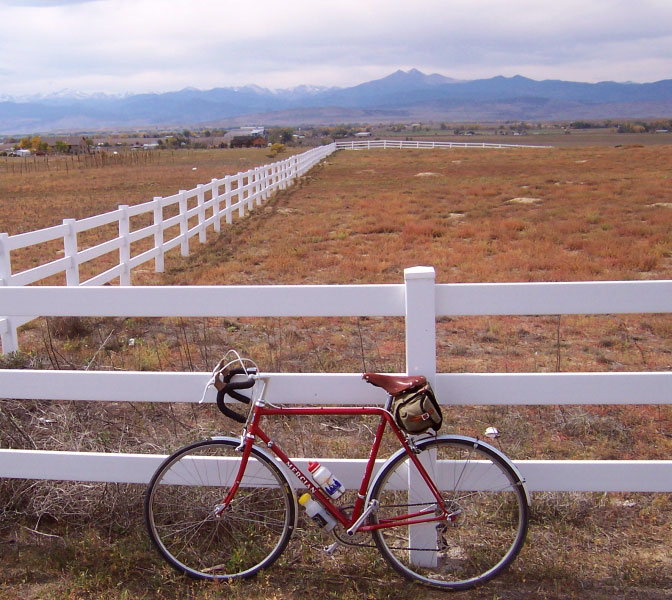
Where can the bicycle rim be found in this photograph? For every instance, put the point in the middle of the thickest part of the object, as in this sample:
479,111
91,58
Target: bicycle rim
180,512
487,507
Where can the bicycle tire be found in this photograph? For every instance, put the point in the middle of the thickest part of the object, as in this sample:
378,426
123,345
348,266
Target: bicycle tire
250,535
483,491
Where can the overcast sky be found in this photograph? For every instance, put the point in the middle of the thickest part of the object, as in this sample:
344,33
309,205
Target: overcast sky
118,46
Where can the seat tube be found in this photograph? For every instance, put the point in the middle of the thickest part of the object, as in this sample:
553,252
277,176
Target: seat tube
375,447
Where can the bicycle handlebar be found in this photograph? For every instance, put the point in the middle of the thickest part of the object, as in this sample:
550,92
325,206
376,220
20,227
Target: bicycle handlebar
231,388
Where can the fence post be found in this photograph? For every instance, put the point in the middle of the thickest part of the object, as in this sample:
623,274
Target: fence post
184,224
252,188
258,185
8,333
215,204
421,360
158,235
227,199
421,322
5,262
284,174
240,193
125,248
70,249
264,183
200,198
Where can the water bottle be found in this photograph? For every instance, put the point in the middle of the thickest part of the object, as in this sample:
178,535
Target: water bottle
326,480
317,512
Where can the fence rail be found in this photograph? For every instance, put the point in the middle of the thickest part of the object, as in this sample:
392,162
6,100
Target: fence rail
423,144
419,300
220,199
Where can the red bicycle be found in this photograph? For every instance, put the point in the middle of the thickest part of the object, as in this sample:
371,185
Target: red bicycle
447,510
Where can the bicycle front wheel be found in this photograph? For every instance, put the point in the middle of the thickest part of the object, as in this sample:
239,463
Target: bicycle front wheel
487,513
180,506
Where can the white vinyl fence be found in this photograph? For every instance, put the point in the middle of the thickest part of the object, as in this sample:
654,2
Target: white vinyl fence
418,299
221,199
422,144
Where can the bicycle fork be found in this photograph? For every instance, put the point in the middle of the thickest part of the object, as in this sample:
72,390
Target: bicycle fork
245,448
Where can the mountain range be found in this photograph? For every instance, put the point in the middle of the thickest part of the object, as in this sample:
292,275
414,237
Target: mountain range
400,97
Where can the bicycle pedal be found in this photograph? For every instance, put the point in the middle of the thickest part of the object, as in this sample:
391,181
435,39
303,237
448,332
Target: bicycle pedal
329,550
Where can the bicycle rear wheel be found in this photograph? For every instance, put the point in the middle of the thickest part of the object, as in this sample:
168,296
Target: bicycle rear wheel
180,504
487,507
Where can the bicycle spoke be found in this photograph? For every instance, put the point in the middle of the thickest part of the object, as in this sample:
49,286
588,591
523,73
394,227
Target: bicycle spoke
180,512
483,528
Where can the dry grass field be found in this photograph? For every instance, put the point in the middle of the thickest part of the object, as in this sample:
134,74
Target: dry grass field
89,188
43,197
563,214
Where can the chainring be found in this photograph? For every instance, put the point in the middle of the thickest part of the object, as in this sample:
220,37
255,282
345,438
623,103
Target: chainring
361,539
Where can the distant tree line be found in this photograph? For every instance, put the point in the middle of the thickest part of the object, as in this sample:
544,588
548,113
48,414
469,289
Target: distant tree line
639,126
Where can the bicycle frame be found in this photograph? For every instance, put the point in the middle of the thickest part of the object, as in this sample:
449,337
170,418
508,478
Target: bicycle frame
225,508
253,431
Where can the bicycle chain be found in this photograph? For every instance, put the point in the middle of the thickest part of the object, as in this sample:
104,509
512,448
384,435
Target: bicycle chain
350,540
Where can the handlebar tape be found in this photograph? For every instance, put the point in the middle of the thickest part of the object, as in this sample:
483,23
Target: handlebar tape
232,414
230,389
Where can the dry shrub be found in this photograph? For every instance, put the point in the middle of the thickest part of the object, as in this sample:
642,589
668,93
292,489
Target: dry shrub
88,427
578,422
70,327
570,508
416,230
58,506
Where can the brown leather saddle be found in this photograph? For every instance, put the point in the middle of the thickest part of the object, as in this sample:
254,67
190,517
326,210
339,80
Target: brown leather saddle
395,384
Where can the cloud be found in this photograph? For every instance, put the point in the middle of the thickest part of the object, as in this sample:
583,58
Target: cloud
42,3
143,45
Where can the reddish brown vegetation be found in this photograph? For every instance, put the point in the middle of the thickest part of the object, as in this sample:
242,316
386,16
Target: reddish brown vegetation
482,215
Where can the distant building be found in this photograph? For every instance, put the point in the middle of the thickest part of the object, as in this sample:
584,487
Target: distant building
72,144
243,135
248,141
256,130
